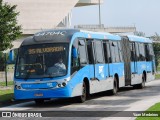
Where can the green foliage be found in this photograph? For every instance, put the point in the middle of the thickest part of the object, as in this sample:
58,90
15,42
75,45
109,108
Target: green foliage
2,61
9,30
155,37
6,95
157,76
156,47
155,108
9,83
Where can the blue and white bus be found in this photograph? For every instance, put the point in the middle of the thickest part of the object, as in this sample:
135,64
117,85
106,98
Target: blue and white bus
90,62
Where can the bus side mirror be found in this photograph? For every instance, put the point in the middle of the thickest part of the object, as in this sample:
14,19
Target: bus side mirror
74,53
11,55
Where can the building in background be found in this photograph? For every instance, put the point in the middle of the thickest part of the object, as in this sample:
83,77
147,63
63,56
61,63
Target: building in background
39,15
46,14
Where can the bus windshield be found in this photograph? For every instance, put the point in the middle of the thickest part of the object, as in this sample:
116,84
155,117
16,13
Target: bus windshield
42,61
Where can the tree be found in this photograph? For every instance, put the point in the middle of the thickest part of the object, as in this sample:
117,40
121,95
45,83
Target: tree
155,37
156,47
9,29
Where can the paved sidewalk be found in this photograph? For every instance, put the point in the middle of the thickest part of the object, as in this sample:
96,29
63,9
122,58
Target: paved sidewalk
143,104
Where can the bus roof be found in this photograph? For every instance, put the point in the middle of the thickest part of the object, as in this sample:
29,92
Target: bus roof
101,35
134,38
65,35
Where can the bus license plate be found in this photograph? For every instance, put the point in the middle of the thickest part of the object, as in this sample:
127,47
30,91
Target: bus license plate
38,94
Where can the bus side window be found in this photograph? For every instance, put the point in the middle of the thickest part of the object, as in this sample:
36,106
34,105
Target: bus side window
99,52
90,50
109,53
74,61
132,48
113,51
147,52
120,52
137,51
82,52
105,52
151,53
116,52
141,52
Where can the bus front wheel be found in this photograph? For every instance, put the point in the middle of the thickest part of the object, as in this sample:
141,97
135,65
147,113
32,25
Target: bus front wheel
83,97
115,87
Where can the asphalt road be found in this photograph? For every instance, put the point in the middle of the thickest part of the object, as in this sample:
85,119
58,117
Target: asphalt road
127,99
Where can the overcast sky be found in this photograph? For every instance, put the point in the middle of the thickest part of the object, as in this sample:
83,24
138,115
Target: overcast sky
144,14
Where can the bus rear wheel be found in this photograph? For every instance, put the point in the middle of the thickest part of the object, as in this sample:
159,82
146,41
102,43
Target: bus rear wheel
83,97
141,85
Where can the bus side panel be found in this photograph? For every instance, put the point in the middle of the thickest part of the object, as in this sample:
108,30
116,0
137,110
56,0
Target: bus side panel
141,67
107,71
77,80
118,68
150,74
100,72
100,83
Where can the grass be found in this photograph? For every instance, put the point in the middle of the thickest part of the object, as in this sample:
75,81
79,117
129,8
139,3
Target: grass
6,96
157,76
6,93
155,107
9,83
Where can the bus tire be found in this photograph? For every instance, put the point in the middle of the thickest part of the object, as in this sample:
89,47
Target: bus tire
115,87
39,101
141,85
83,97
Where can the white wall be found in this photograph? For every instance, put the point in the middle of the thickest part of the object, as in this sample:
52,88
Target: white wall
36,15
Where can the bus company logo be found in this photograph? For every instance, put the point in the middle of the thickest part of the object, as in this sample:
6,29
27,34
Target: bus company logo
101,69
62,33
6,114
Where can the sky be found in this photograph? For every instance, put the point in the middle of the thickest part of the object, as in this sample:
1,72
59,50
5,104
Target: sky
144,14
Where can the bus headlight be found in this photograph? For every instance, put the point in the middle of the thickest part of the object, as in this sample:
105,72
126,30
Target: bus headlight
17,87
59,85
64,84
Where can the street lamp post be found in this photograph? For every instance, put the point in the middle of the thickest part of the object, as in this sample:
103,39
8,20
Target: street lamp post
99,14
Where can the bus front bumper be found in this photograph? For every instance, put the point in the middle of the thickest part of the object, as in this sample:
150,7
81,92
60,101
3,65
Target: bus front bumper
63,92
